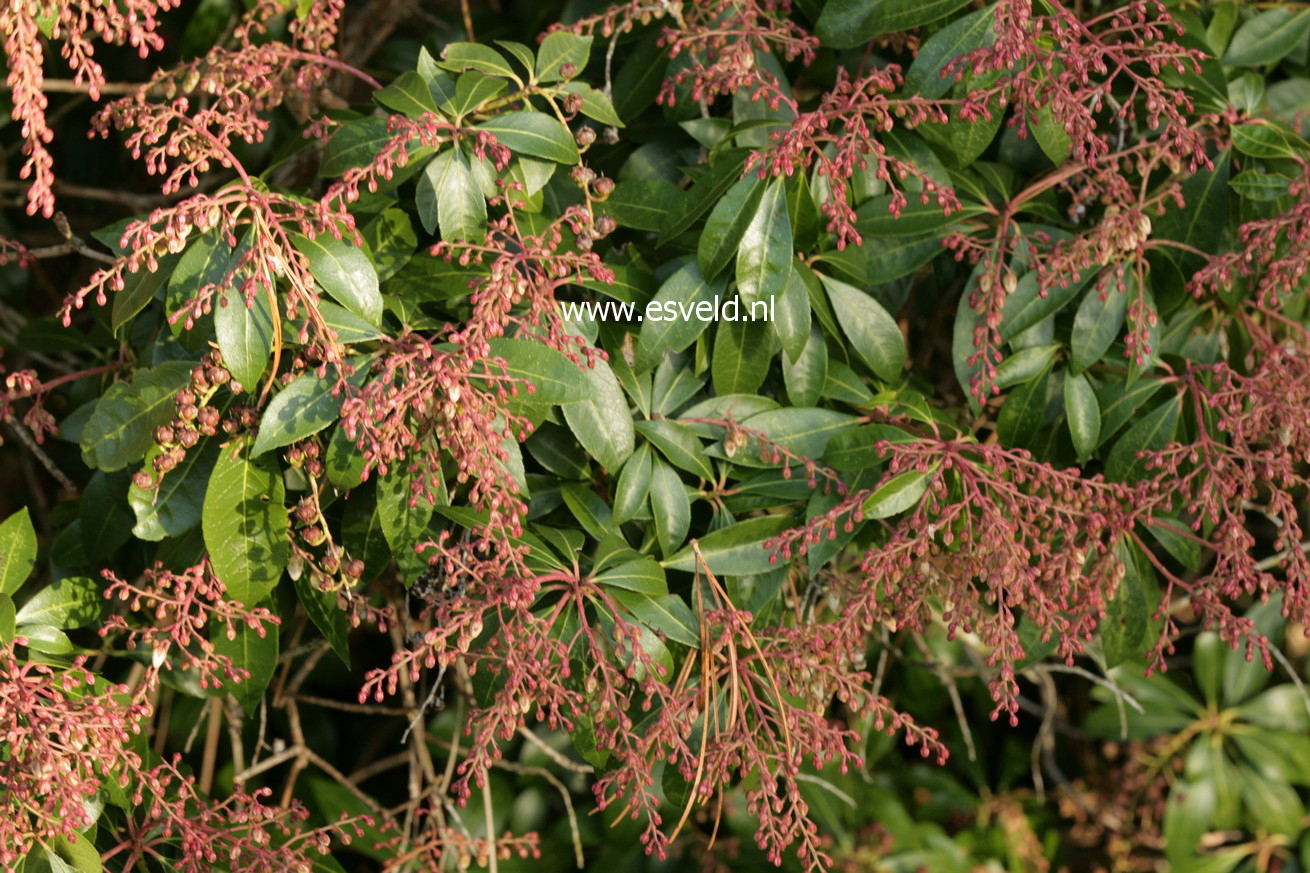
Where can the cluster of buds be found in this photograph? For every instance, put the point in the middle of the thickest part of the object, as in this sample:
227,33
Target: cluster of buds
195,419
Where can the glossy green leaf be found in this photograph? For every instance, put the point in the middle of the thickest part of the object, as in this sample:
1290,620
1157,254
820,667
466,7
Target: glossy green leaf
602,423
678,444
643,576
669,505
1098,322
303,408
245,337
71,602
872,332
742,352
121,429
448,198
559,50
764,258
535,134
1267,37
344,272
1083,414
727,224
735,550
174,506
246,526
897,494
633,485
253,652
17,551
553,378
460,56
1152,432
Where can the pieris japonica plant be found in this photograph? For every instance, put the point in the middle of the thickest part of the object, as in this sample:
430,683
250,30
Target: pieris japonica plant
713,433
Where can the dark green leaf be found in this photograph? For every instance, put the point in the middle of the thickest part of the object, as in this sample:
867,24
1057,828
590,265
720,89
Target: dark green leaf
246,527
872,332
1151,433
736,550
122,427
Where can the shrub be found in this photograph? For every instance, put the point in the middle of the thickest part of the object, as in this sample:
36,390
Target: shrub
435,380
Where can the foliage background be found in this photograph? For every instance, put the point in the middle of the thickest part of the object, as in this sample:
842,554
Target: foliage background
1105,270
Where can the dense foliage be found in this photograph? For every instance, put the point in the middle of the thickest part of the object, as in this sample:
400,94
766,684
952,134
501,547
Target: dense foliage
340,536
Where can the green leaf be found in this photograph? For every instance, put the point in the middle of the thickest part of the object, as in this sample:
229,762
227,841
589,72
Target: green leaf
679,444
765,256
17,551
633,485
245,337
404,514
71,602
6,618
1267,37
643,575
122,427
206,262
896,494
850,23
106,518
1026,306
594,103
1119,402
602,422
1024,412
344,272
973,31
1083,412
735,550
535,134
246,527
1151,433
410,95
460,56
1254,185
587,507
792,320
643,204
553,377
1098,322
1271,805
348,326
1127,621
872,332
727,224
355,144
1261,140
1187,817
448,198
303,408
724,171
670,322
1025,365
252,652
139,289
321,607
560,48
805,431
1177,539
742,352
668,614
670,506
806,376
